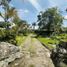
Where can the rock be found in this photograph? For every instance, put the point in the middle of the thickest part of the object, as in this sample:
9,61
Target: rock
8,53
3,64
59,55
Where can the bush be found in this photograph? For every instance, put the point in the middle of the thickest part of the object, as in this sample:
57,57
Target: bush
8,35
2,34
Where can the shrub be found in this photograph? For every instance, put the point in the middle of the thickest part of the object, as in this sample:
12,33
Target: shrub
8,35
2,34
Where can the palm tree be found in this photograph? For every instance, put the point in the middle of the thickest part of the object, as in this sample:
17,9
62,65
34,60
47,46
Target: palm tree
11,12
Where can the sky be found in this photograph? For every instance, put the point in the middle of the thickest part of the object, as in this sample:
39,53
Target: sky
29,9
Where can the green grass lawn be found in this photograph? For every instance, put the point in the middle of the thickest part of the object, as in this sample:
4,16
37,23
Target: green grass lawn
53,41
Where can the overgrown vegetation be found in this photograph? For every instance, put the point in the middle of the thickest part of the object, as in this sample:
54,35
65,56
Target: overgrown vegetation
50,31
51,42
50,20
20,40
14,30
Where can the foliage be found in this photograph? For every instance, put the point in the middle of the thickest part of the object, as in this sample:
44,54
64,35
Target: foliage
64,29
53,41
22,27
49,43
50,20
11,37
61,37
5,6
4,24
7,35
9,12
11,34
19,39
2,34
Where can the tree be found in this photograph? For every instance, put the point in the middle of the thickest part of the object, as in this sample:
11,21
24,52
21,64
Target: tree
5,6
50,20
9,12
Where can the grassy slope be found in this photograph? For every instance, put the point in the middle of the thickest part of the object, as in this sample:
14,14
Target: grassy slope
51,42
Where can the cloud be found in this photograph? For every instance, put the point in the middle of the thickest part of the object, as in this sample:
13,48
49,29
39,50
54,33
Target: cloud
35,4
59,3
22,12
53,3
26,11
65,17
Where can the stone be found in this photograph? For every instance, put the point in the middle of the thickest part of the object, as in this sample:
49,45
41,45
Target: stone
8,53
59,55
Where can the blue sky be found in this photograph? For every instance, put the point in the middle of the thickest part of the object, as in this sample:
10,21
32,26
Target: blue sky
29,9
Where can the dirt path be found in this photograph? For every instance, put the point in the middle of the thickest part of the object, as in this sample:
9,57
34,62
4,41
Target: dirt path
34,55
